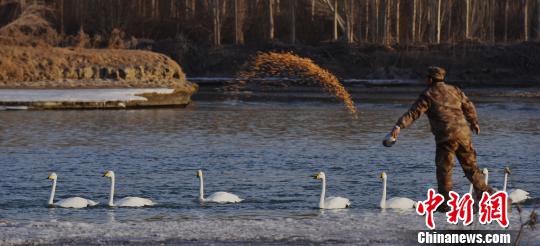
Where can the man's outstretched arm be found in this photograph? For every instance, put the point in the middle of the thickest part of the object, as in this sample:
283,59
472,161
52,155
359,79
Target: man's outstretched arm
417,109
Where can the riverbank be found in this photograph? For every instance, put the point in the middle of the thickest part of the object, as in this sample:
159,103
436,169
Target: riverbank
38,73
53,67
90,79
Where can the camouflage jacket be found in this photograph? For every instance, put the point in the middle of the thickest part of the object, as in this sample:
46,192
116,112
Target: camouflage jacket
449,111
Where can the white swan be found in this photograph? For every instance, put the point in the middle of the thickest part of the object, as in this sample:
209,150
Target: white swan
517,195
72,202
218,197
127,201
333,202
395,202
486,175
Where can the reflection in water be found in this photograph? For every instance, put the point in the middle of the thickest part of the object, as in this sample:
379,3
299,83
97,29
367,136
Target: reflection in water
110,216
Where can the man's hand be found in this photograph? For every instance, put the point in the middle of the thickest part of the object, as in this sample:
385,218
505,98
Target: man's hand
395,131
476,129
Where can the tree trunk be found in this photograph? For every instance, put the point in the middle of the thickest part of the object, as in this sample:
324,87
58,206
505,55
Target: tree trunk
193,8
413,24
271,20
335,20
537,20
350,18
492,20
419,30
217,23
397,21
467,19
340,21
387,23
238,32
62,29
352,6
506,7
526,21
449,7
439,22
377,21
292,7
312,10
366,22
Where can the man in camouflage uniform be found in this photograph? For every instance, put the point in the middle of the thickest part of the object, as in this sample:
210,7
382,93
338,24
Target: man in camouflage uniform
452,116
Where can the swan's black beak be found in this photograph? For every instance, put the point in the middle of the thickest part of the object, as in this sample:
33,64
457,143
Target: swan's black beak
314,176
104,175
507,170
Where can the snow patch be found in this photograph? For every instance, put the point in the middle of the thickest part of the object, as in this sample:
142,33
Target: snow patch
77,95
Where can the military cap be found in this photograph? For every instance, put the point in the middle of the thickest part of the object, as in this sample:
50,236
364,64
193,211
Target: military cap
436,73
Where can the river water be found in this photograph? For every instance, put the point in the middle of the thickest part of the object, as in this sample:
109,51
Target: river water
264,152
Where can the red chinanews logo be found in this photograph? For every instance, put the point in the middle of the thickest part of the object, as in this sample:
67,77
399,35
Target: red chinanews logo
460,209
491,208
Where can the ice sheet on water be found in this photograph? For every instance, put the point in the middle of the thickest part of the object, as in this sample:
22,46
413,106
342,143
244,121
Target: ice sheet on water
337,227
78,95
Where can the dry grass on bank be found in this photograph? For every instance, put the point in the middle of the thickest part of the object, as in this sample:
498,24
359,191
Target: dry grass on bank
48,67
28,59
33,27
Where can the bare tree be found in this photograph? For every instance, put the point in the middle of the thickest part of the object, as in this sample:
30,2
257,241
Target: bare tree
439,21
397,20
217,22
271,19
537,19
366,21
506,7
468,19
387,23
526,20
292,6
335,37
312,10
349,14
413,22
378,21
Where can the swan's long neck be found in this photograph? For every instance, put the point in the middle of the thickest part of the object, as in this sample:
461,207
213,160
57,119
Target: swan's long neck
53,190
487,178
201,188
505,181
383,198
323,193
471,189
111,196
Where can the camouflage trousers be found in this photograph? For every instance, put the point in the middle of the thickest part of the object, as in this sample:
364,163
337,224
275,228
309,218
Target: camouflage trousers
465,153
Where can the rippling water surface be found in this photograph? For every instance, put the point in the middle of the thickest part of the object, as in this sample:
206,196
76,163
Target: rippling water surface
264,152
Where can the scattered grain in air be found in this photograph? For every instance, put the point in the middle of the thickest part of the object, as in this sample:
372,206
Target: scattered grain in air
273,64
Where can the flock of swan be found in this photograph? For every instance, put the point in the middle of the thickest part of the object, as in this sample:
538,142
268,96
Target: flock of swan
517,195
334,202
